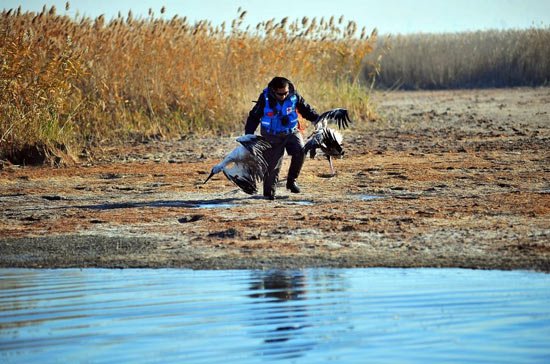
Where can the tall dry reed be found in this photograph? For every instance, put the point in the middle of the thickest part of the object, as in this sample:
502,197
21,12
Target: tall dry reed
466,60
68,83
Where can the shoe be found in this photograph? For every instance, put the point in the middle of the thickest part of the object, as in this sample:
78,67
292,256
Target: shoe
293,187
269,196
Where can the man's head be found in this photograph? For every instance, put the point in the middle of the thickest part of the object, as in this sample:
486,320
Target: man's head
280,87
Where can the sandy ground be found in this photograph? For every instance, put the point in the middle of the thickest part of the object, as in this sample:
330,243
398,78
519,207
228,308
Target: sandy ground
444,179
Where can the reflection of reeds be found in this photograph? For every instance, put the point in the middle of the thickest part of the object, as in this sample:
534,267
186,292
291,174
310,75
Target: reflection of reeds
466,60
72,82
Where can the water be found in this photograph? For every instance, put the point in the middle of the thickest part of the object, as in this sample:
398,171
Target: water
296,316
301,202
369,197
207,205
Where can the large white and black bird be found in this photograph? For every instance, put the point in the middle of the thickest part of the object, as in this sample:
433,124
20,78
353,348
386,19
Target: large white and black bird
327,139
245,165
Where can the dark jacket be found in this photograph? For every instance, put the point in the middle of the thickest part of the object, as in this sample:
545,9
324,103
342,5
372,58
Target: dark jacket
255,115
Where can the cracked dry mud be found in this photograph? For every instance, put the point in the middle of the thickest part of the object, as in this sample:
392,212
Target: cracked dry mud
445,179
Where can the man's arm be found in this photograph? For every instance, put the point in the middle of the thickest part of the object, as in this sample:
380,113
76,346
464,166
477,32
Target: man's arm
254,116
306,110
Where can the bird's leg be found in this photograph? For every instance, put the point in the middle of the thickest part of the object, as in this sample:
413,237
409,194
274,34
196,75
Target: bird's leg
330,164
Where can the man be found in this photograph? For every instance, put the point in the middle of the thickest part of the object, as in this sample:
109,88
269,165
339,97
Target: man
277,110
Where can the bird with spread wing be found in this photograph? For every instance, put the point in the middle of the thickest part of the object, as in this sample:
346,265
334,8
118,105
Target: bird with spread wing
327,139
245,165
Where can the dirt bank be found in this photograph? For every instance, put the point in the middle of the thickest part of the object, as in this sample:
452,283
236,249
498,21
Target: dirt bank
448,178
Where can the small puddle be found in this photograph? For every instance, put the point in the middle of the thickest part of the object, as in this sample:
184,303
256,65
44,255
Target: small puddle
369,197
301,203
169,204
133,205
160,204
209,205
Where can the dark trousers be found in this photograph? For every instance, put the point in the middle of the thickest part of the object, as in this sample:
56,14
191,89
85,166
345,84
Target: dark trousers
294,146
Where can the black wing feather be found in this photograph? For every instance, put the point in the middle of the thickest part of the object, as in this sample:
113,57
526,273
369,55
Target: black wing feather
339,116
247,185
330,144
255,144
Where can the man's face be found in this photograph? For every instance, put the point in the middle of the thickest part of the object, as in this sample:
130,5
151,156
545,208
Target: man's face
281,93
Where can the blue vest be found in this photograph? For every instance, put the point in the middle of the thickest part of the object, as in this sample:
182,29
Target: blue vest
272,120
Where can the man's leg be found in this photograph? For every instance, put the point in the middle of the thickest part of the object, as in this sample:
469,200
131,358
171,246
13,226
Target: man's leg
295,148
274,159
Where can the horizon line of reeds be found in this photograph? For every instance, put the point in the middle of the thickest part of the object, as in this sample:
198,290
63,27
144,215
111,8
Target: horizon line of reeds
474,59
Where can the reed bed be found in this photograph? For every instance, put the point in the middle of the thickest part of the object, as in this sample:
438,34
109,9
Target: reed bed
70,83
480,59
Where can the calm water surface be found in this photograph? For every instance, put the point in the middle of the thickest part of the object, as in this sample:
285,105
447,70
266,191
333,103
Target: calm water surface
295,316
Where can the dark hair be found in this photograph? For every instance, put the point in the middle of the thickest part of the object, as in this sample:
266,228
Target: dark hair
278,82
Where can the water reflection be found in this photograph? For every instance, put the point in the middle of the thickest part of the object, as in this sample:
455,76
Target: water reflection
293,306
280,318
280,285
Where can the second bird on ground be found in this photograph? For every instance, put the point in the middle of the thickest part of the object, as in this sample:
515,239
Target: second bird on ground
327,139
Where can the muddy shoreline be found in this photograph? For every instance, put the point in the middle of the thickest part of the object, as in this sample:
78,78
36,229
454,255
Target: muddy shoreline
106,252
445,179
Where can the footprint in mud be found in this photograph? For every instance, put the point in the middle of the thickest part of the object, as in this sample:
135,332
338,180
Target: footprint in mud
229,233
326,175
191,218
53,197
110,175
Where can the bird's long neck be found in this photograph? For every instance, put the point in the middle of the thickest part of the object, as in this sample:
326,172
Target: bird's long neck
225,161
236,154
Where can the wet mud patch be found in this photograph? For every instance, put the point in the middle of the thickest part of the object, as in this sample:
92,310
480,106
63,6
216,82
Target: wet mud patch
197,204
75,251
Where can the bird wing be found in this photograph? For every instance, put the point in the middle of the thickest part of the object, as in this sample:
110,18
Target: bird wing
246,172
255,144
339,116
331,143
246,164
247,185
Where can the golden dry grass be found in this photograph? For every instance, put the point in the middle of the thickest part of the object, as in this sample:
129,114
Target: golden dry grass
68,83
492,58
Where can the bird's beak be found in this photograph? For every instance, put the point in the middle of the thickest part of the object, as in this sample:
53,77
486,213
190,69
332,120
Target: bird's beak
211,174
